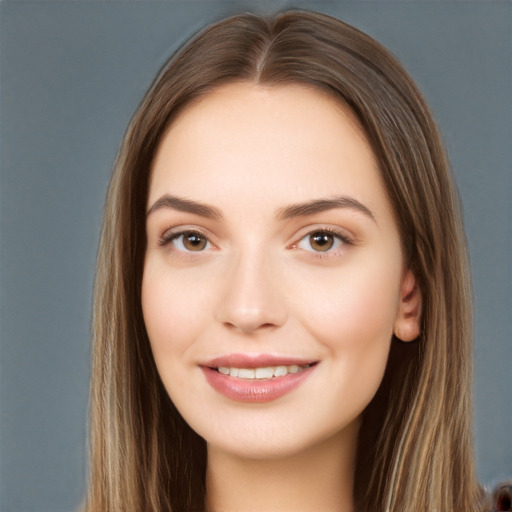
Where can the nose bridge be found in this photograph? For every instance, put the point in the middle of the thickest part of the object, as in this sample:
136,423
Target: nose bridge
251,298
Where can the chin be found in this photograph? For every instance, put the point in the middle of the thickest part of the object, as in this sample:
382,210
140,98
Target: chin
263,441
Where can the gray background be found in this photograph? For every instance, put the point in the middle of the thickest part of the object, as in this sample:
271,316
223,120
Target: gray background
71,74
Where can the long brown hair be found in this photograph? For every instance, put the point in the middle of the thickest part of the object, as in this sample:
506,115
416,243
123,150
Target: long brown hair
415,443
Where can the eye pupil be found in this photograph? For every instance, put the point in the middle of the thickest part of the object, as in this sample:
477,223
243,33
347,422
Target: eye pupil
321,241
194,242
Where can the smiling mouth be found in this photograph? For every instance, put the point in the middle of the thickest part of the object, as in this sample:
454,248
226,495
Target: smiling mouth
257,378
262,373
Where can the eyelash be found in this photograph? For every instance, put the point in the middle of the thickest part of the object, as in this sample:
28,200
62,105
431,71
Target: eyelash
169,237
342,238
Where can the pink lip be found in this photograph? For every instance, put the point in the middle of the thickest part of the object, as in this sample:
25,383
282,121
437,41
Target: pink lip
256,391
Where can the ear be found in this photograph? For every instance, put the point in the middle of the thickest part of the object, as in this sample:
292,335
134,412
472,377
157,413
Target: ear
407,322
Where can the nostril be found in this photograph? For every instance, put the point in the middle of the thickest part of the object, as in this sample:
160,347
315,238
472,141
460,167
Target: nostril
249,327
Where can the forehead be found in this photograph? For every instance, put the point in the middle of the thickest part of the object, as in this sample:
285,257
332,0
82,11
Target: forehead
280,143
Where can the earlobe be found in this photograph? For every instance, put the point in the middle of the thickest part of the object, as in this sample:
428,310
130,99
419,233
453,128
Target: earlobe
407,322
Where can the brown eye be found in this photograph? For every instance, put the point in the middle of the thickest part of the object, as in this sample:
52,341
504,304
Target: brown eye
321,241
194,242
189,241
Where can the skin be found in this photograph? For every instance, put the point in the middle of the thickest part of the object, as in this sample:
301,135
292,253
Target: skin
256,283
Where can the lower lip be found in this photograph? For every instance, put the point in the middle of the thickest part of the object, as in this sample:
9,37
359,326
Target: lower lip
256,391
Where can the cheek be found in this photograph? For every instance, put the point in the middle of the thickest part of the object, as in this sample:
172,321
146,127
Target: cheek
352,315
362,304
170,309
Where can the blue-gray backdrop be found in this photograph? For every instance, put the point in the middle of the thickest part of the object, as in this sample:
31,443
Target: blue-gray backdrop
72,72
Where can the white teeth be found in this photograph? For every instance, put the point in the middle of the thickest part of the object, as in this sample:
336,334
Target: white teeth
280,370
245,373
267,372
264,373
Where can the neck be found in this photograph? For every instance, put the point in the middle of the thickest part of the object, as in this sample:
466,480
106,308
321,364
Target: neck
320,479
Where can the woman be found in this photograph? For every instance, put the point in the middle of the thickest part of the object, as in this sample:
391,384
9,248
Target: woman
282,317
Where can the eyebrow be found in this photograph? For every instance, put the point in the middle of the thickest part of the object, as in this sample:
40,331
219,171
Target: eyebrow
185,205
322,205
295,210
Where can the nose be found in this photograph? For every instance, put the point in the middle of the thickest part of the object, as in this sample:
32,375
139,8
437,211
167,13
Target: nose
252,300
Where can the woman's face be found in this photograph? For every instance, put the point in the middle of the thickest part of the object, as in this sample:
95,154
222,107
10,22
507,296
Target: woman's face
273,277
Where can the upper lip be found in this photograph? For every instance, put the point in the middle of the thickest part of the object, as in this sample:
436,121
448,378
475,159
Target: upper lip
248,360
